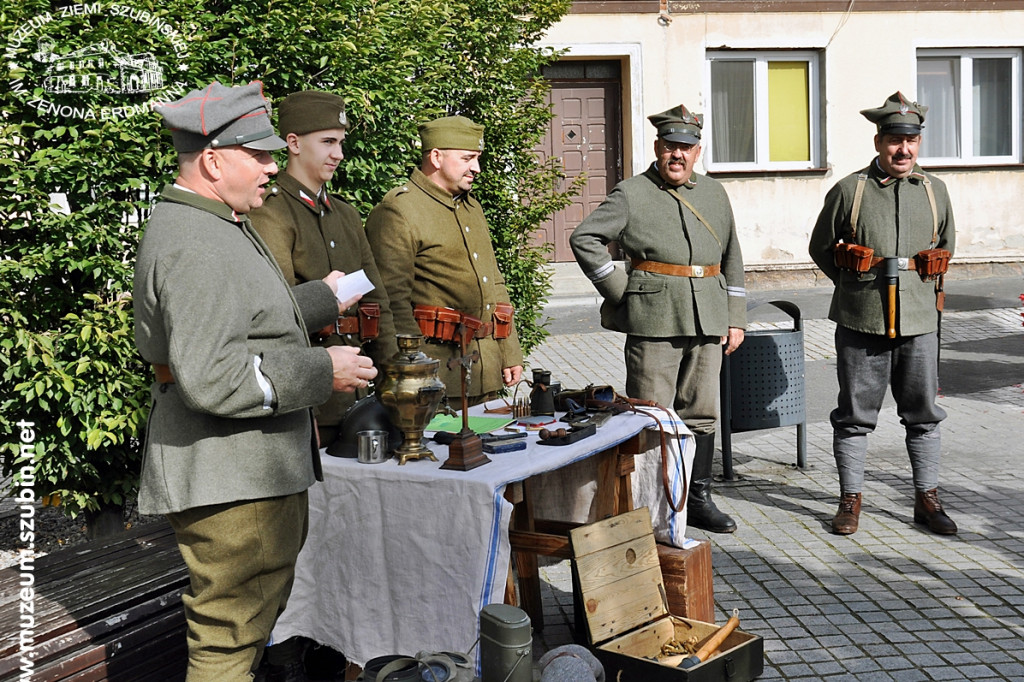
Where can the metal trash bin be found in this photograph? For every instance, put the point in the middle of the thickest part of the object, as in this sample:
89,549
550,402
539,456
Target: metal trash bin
762,385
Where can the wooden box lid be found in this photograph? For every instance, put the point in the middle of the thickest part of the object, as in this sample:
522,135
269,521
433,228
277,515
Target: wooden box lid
619,574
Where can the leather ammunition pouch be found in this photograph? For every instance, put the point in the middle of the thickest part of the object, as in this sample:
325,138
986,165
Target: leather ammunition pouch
365,323
442,324
854,257
369,321
932,263
503,314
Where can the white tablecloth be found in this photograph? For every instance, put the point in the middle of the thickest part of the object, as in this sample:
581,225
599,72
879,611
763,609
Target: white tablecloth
400,559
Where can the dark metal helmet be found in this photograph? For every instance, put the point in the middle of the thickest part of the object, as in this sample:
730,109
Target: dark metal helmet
366,414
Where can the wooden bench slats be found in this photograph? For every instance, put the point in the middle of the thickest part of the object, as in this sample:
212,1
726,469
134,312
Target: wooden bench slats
72,635
99,595
68,565
103,611
121,657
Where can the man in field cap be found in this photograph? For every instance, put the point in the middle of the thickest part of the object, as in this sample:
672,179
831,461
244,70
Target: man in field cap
221,116
897,116
312,232
229,448
432,245
683,298
887,315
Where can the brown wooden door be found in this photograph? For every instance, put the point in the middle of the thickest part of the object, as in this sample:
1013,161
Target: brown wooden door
586,135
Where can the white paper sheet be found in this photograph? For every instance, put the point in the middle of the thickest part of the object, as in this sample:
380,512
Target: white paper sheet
352,284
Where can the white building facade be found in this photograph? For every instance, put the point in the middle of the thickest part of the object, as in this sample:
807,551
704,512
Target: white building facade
780,85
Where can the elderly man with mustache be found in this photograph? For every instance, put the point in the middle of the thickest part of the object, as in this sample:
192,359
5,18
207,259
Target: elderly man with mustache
683,298
884,237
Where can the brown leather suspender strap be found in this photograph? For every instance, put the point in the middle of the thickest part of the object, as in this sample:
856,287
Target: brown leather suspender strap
858,196
695,212
935,211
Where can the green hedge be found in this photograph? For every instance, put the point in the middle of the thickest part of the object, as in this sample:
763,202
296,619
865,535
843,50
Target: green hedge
78,175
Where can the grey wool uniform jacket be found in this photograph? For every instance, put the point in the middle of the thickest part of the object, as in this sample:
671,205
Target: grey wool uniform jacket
896,221
309,237
211,303
435,249
650,224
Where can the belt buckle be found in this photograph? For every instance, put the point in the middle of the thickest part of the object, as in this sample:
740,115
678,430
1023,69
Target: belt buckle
902,263
698,270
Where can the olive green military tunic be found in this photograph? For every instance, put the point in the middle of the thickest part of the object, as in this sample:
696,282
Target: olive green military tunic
211,304
896,221
435,249
310,236
650,224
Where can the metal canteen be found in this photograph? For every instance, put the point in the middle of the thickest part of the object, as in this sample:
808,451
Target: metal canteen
542,397
411,392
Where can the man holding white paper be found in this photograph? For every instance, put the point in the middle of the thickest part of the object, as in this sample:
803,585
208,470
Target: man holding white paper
312,233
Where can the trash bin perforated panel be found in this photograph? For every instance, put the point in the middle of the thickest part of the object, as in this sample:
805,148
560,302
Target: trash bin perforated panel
767,380
762,385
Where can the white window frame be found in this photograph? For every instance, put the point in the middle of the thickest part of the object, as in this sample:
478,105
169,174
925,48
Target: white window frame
761,141
967,56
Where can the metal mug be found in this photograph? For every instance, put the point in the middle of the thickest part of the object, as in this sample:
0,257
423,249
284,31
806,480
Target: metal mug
372,446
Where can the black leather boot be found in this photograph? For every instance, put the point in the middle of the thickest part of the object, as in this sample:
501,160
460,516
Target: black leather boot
284,661
701,511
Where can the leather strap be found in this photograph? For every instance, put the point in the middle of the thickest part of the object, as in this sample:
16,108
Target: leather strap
625,404
687,204
858,196
676,270
163,374
905,263
347,324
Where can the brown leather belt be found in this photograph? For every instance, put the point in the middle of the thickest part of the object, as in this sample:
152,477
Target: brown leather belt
163,374
904,263
675,270
365,323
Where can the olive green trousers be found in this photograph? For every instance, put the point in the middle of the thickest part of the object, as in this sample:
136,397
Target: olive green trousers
680,372
241,564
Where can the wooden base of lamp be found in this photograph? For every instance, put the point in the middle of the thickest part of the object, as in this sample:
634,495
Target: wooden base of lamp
465,452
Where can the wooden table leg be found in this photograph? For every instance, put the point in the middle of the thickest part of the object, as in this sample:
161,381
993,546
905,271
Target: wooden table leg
614,496
525,562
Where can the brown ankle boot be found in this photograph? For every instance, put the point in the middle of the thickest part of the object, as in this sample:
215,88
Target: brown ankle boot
847,518
928,512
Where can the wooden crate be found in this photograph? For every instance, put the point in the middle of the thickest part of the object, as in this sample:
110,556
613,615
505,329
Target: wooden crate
616,566
688,580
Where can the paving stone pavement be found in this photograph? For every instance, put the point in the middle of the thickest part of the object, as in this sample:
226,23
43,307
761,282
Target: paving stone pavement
892,601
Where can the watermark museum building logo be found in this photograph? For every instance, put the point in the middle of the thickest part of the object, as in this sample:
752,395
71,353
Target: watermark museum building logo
98,78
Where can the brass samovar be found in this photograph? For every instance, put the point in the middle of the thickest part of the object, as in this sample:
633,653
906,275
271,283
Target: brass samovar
411,392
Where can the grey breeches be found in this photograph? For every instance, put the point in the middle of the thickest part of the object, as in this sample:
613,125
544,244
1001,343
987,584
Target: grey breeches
866,365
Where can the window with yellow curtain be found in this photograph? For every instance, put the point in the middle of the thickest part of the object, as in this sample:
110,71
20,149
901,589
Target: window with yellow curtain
764,110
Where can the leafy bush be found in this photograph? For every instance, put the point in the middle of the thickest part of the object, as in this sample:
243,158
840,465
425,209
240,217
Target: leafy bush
77,186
